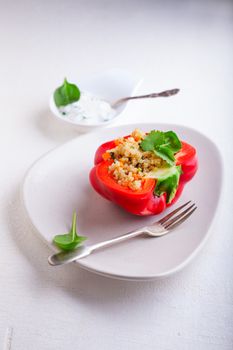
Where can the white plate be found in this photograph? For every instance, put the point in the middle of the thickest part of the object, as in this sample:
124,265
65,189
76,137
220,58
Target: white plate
110,85
58,183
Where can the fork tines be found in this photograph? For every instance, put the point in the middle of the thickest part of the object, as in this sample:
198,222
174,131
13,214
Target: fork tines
172,220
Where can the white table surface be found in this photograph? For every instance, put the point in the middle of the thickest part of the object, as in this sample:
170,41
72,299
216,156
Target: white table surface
171,44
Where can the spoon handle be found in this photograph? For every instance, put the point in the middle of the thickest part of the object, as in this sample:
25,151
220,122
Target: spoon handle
165,93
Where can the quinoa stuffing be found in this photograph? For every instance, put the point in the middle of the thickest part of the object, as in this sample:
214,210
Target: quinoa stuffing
129,163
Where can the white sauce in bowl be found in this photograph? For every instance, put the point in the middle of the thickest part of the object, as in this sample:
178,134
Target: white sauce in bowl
89,109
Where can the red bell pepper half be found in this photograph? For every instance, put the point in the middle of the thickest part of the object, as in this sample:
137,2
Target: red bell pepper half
143,201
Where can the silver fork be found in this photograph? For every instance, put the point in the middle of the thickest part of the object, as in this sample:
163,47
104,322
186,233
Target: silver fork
157,229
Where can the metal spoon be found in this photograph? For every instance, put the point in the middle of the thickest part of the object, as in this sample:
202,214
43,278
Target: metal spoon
165,93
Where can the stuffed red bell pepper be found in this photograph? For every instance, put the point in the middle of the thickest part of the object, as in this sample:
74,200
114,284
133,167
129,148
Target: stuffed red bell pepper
143,172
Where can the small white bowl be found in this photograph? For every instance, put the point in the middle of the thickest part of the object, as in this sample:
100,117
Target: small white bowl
110,86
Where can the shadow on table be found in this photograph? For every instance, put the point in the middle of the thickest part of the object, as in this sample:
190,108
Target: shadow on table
53,129
79,283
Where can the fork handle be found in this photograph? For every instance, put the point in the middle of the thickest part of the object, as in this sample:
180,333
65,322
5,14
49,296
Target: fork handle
63,257
116,240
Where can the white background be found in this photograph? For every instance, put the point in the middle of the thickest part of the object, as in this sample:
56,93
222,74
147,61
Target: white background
171,44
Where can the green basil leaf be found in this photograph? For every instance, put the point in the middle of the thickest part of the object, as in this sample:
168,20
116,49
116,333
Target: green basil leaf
153,140
64,243
166,154
167,182
173,141
66,94
163,144
70,240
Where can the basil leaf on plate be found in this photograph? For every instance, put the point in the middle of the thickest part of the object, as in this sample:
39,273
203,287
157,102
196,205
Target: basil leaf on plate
70,240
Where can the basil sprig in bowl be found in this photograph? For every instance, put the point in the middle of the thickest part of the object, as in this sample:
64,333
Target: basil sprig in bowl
108,86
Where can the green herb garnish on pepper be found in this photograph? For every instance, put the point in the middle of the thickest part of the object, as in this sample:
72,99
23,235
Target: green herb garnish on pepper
167,181
163,144
120,178
70,240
